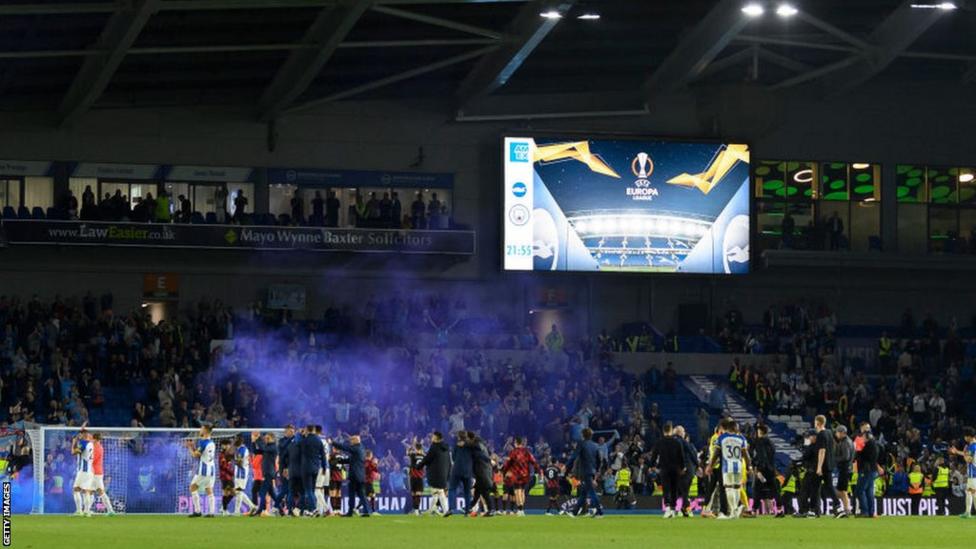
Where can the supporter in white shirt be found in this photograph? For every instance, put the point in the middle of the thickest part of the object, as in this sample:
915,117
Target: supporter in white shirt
875,415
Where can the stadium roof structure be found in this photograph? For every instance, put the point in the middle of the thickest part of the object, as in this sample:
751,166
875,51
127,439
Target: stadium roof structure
482,57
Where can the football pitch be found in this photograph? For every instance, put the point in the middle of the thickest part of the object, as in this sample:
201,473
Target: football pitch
172,532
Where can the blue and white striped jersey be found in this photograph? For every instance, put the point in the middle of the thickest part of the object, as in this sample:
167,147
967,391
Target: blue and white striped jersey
733,448
327,451
971,452
242,462
207,450
84,459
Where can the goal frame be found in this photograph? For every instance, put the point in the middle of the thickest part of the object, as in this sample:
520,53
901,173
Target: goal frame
38,436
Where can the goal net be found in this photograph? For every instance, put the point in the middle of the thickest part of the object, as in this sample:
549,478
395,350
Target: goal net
146,470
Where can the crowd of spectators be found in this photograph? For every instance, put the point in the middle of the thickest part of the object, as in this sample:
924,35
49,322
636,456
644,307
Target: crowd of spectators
366,370
73,360
377,211
915,396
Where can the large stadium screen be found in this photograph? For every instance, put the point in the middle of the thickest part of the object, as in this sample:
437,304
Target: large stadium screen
618,205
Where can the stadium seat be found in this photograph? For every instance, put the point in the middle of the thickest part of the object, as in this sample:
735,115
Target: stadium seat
23,213
196,218
38,213
211,218
9,212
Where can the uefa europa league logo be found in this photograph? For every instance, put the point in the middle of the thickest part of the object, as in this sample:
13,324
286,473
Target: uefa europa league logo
643,167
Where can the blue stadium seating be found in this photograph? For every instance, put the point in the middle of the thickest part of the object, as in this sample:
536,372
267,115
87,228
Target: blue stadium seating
681,408
9,212
23,213
211,218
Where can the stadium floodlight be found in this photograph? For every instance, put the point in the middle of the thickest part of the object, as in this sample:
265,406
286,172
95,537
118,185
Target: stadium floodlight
860,166
786,10
944,6
589,16
551,14
753,10
966,177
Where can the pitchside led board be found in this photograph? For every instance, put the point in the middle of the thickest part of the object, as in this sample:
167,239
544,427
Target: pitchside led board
575,204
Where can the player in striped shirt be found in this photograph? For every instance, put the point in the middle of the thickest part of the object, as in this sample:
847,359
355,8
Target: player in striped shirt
522,465
322,478
84,451
98,484
732,449
969,454
242,471
336,477
204,450
415,456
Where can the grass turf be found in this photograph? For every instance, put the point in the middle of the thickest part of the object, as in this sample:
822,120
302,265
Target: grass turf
172,532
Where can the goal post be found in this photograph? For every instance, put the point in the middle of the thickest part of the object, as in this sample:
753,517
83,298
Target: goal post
146,470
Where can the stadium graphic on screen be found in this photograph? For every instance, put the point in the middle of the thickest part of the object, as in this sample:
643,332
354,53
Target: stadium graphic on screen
626,205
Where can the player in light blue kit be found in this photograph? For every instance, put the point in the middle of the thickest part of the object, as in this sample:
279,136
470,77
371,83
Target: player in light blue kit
205,451
242,472
84,450
732,448
969,454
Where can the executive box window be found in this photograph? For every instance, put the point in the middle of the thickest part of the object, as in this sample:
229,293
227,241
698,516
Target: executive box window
29,192
817,205
10,193
354,205
132,191
203,196
936,209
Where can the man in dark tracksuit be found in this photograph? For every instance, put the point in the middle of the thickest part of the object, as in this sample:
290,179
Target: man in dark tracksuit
691,462
825,465
811,484
462,473
583,463
668,456
283,443
438,464
268,451
357,474
481,462
313,456
767,482
296,488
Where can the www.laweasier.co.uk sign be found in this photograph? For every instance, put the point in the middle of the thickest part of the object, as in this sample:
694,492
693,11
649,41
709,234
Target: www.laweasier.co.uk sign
314,239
